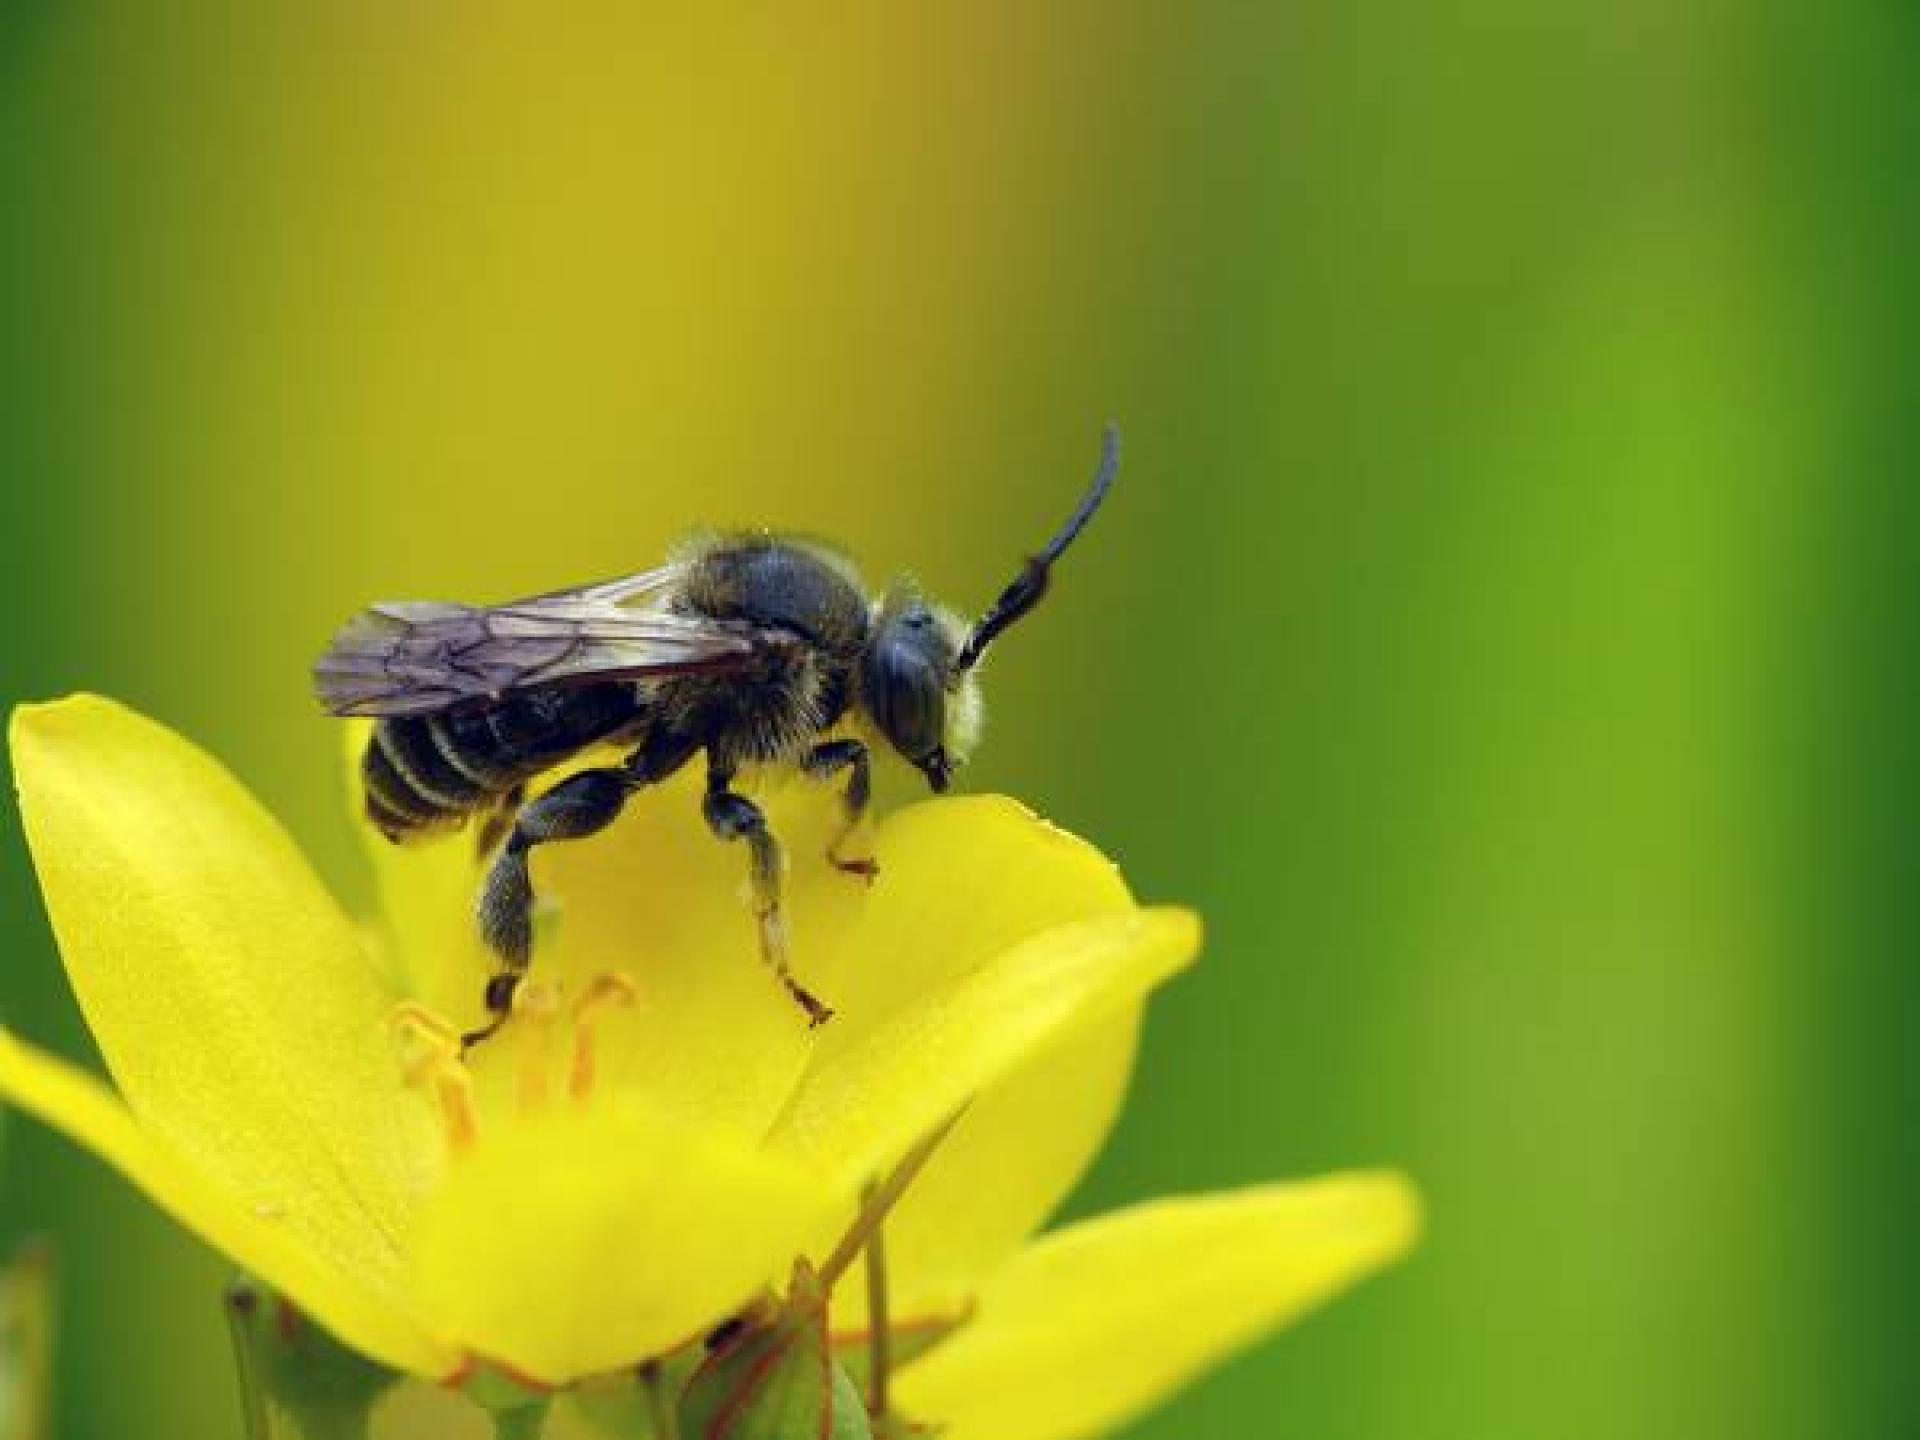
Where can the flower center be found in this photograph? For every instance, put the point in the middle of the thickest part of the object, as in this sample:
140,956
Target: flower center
543,1027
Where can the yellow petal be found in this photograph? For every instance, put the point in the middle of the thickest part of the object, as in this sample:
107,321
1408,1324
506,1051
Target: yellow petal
1089,1327
229,996
1004,1169
713,1037
962,881
361,1315
582,1241
867,1098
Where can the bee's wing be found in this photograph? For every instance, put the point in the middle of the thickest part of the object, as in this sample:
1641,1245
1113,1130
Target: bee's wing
417,657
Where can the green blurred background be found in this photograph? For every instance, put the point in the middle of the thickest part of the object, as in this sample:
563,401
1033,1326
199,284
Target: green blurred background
1502,629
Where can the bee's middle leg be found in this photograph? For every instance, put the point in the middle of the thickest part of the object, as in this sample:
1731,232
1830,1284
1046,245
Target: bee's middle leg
578,806
732,816
827,760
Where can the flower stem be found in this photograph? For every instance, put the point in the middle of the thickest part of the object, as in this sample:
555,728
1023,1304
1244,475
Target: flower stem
26,1330
242,1303
878,1325
666,1422
522,1423
880,1200
659,1404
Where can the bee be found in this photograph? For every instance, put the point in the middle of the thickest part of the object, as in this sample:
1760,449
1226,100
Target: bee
751,648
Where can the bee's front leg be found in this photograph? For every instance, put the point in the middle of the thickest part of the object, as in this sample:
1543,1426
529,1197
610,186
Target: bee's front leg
732,816
825,761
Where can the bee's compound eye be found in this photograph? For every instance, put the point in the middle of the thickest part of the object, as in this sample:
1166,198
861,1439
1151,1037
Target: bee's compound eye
904,682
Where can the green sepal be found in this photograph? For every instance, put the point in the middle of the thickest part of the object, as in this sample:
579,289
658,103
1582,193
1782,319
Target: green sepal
617,1407
527,1422
907,1341
893,1427
637,1404
296,1381
776,1379
518,1406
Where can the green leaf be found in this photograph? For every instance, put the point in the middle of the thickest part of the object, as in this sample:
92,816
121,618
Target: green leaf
776,1379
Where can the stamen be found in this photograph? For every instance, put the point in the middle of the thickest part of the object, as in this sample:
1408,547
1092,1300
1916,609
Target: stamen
454,1090
660,1406
431,1058
416,1024
430,1061
535,1006
610,989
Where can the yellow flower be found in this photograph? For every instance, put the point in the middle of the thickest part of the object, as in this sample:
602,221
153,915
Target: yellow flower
654,1138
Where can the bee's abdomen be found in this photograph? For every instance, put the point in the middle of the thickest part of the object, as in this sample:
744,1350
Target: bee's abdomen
424,773
413,782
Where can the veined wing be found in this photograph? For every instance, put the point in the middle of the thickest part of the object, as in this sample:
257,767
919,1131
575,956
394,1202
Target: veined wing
418,657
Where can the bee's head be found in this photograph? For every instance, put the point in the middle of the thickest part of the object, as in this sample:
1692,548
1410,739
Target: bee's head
912,689
918,685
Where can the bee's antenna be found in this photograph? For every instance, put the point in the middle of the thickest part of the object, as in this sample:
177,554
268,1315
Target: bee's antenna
1031,584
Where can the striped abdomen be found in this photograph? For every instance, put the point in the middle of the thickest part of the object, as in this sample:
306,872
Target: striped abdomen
430,772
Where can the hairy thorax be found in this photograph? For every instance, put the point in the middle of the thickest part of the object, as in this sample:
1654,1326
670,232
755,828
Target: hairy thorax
806,597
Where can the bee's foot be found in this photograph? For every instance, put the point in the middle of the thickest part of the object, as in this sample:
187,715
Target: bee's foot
486,1032
499,1000
773,950
865,867
818,1012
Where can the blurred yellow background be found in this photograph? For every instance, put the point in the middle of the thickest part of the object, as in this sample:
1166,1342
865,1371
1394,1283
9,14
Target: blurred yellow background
1500,630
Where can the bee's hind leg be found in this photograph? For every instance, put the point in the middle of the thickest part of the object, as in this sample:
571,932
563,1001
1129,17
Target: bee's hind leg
825,761
578,806
732,816
495,824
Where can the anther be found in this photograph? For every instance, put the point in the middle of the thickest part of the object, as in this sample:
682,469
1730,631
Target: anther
610,989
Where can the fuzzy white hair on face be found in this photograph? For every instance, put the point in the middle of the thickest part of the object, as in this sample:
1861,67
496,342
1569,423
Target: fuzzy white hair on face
966,708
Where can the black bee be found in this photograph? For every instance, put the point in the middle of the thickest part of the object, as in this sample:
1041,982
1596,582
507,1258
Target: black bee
750,647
